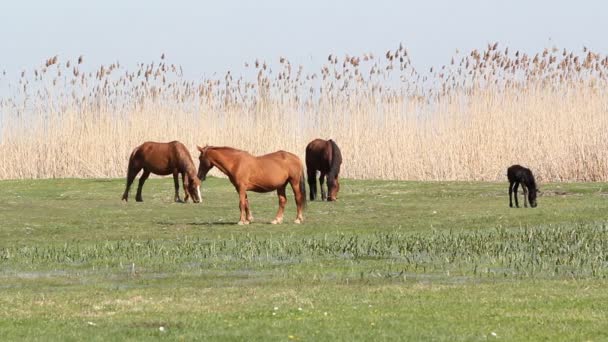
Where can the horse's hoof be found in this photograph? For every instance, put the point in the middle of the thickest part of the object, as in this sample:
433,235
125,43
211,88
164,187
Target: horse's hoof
139,200
297,221
276,221
240,223
250,219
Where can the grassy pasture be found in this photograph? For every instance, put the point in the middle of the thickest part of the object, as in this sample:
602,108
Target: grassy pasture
389,260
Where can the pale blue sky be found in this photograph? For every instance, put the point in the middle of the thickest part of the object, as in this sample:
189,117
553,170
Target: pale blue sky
215,36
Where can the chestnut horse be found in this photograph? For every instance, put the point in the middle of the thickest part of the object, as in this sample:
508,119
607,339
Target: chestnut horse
324,156
265,173
163,159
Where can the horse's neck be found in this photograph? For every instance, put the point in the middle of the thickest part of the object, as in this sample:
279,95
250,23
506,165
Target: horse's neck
222,160
530,184
186,166
190,170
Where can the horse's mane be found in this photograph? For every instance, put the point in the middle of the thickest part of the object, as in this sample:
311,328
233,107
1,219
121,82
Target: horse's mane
225,148
336,159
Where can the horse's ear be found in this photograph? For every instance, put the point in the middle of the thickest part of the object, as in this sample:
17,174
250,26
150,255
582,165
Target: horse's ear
200,149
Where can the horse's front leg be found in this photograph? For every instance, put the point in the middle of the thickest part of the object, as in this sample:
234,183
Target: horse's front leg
186,184
511,194
282,201
248,210
321,181
525,188
243,206
176,183
515,188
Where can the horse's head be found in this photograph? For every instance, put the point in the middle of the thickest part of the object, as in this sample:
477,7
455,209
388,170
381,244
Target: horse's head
532,197
333,186
194,188
204,164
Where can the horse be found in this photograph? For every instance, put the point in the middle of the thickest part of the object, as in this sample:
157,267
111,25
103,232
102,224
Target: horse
518,174
325,156
265,173
163,159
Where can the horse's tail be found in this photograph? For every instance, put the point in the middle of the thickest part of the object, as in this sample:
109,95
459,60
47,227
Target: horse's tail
303,188
131,174
336,161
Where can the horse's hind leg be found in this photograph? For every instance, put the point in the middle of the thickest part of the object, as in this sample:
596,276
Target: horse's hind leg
142,180
176,184
525,188
312,183
282,202
131,174
321,182
300,200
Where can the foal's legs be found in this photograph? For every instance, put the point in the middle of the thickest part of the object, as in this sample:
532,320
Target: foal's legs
243,206
132,172
312,183
282,201
525,188
515,187
176,183
321,181
142,180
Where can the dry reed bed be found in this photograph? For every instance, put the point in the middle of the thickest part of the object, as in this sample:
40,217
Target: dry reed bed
467,120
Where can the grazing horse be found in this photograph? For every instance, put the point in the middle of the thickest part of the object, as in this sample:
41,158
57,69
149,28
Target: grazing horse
163,159
325,156
260,174
518,174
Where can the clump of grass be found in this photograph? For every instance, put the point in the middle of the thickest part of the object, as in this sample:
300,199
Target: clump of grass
555,251
466,120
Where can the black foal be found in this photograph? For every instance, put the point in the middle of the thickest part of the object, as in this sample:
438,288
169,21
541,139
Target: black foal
518,174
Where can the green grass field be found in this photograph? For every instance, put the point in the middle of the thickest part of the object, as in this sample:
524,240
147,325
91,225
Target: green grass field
435,261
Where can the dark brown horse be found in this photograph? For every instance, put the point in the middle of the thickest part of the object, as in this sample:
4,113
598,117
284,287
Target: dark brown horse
163,159
324,156
260,174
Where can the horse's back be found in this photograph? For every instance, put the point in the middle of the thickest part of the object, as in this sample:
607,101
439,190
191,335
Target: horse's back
282,158
162,157
521,174
318,155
